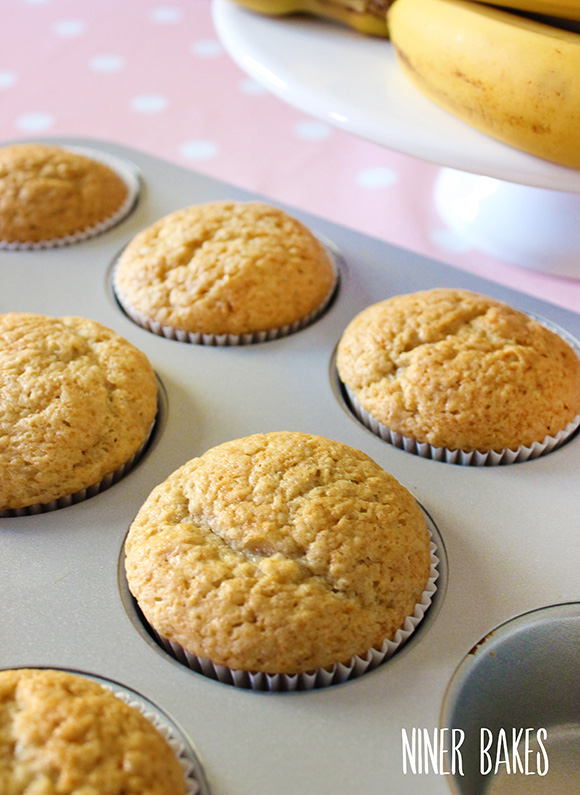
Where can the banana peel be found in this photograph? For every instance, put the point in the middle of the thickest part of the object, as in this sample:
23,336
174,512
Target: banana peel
513,78
365,16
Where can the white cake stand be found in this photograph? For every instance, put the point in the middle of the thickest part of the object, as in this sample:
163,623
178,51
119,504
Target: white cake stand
519,208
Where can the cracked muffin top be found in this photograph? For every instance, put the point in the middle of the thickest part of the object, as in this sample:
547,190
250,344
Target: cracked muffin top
61,734
225,267
48,193
281,553
459,370
78,401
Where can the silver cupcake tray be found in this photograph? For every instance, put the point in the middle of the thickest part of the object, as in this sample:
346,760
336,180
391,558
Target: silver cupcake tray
508,536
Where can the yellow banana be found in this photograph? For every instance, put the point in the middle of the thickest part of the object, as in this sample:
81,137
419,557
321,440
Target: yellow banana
366,16
516,79
567,9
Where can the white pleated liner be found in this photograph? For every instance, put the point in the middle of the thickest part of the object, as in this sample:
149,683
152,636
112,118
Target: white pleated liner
463,457
321,677
83,494
188,764
472,457
124,169
222,340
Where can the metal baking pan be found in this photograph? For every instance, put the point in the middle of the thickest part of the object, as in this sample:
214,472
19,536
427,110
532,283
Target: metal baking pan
509,534
514,705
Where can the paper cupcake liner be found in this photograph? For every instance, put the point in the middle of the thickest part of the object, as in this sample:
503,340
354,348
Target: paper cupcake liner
130,176
462,457
83,494
472,457
222,340
321,677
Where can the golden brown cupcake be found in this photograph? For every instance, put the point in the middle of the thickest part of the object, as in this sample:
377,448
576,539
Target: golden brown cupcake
459,370
62,734
78,403
224,268
49,193
281,553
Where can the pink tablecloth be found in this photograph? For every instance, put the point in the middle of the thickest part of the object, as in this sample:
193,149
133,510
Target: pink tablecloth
154,76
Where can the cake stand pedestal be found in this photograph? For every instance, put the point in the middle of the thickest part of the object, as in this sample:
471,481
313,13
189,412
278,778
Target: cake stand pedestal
532,227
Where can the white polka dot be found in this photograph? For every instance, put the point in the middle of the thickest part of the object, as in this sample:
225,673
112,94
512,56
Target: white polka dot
449,241
7,79
378,177
207,48
249,86
198,150
312,130
106,63
165,15
69,27
34,122
149,103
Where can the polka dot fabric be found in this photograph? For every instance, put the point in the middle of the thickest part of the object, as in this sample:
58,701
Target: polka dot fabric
154,76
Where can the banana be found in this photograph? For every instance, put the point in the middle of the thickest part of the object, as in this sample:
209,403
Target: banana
366,16
516,79
567,9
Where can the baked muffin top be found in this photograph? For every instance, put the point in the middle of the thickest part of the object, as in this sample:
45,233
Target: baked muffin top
225,267
78,401
459,370
279,552
62,734
48,193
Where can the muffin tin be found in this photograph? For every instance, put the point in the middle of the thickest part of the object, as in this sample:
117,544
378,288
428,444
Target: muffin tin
507,535
533,653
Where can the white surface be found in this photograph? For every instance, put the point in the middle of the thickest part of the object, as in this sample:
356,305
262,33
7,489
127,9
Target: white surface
510,533
353,82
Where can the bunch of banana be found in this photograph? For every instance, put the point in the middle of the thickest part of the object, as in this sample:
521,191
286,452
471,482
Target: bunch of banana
510,76
366,16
